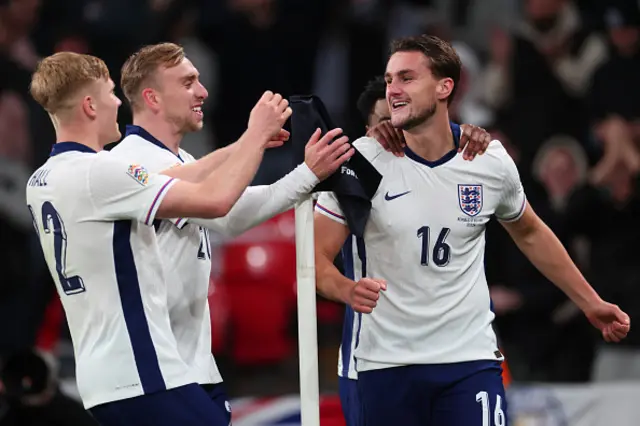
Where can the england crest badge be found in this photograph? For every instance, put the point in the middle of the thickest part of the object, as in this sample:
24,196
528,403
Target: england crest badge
470,199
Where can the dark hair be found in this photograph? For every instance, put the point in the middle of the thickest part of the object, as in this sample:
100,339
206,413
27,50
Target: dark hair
444,62
375,90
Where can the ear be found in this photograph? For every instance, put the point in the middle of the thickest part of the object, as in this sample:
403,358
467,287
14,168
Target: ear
88,107
150,98
444,89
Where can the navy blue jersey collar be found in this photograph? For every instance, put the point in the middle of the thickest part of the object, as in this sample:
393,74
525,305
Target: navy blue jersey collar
132,129
62,147
455,129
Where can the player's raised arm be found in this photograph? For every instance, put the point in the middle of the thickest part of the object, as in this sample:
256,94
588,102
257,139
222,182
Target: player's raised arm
330,234
541,246
260,203
219,191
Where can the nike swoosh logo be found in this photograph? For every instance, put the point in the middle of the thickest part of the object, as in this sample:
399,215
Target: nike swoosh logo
393,197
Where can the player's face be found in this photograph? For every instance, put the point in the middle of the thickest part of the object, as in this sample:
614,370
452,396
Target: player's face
182,96
411,89
380,113
107,104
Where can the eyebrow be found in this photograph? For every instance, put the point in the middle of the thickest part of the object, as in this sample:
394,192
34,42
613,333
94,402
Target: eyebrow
400,73
189,78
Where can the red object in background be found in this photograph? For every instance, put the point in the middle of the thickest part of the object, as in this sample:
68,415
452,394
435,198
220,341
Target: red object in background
258,281
51,327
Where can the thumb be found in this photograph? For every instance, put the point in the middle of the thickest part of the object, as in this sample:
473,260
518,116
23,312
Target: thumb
382,283
622,317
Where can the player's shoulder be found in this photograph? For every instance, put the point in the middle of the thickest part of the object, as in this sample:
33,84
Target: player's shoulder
497,150
369,147
186,157
135,149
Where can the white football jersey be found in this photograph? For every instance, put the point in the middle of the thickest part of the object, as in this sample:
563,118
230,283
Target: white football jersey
186,256
425,237
94,213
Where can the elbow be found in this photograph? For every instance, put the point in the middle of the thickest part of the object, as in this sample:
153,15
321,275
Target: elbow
218,206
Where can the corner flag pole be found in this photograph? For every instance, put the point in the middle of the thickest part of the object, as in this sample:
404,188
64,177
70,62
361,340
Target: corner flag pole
307,316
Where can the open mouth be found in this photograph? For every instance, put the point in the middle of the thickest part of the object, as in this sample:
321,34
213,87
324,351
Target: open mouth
197,110
396,105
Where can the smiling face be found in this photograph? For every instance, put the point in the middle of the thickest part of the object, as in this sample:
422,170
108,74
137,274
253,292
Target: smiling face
421,78
180,96
411,89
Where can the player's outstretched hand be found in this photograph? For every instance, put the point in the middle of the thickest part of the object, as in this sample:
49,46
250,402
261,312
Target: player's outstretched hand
269,115
364,295
389,137
475,139
323,157
610,320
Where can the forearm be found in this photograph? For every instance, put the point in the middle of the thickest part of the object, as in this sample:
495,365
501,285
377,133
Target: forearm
197,171
260,203
548,255
330,283
227,183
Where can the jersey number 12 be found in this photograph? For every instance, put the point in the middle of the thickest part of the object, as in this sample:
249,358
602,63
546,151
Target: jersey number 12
52,224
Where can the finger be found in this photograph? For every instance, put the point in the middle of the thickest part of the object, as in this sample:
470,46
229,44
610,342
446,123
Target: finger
370,284
275,143
329,136
379,136
266,96
605,336
366,294
338,147
340,153
283,105
343,158
286,114
362,309
276,99
284,135
485,143
620,334
464,137
315,137
366,301
622,317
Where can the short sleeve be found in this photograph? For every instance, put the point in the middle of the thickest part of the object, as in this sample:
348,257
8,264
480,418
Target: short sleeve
122,190
512,199
329,206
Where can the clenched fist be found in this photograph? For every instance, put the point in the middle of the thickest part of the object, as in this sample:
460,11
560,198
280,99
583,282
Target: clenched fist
269,115
365,294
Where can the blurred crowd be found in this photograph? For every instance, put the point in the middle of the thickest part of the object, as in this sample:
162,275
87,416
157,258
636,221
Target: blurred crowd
555,80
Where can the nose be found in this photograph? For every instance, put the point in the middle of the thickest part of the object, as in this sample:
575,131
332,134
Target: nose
202,91
393,90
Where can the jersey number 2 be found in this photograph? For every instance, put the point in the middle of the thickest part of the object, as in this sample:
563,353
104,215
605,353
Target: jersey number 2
441,250
52,223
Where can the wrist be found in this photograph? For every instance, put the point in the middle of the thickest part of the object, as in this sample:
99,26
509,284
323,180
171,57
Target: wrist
254,137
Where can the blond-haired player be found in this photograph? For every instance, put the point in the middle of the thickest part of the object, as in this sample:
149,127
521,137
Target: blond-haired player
93,212
166,98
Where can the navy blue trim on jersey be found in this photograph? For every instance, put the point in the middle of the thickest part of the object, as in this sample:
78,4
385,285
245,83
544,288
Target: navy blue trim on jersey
137,130
144,351
349,314
62,147
347,327
455,129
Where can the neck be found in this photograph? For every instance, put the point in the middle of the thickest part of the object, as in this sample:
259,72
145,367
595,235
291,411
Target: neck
80,134
432,139
163,130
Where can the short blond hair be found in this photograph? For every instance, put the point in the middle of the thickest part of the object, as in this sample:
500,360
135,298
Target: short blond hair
142,66
59,77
